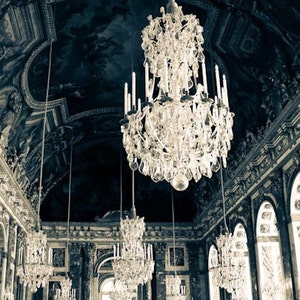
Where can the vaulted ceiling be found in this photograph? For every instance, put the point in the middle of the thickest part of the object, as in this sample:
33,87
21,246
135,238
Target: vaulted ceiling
95,47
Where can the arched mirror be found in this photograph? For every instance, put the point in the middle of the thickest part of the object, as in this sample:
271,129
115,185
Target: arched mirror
244,291
214,291
270,268
294,228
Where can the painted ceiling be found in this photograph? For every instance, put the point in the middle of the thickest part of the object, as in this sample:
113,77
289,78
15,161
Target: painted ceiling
95,47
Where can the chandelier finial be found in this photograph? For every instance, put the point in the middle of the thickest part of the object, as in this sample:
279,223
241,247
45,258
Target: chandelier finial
172,6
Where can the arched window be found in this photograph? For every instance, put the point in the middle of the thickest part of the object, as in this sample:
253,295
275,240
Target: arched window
295,228
270,268
214,290
106,288
244,291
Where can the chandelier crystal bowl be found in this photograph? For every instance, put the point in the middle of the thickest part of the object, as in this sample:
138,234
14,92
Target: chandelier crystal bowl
179,132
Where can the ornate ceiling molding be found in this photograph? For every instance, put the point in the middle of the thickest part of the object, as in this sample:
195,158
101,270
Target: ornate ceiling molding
12,198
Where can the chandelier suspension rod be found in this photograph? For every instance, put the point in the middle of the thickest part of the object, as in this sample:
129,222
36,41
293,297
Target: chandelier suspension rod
70,189
133,210
44,132
223,197
173,228
121,186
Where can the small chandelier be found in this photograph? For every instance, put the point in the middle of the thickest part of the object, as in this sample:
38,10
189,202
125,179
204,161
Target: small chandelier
228,269
133,262
65,292
122,292
180,132
37,263
175,290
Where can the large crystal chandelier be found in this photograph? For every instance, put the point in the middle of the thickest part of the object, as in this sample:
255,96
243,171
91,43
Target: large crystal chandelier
133,260
35,267
65,292
179,131
228,269
174,289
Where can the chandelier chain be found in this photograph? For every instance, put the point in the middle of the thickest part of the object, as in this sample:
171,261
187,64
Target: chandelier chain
223,199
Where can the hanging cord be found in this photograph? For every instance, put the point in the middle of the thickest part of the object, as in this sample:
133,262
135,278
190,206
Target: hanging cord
173,228
44,125
121,186
69,199
223,197
133,211
43,135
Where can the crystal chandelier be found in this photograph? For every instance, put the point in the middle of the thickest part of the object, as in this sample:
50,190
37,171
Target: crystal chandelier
175,290
228,269
122,292
35,267
133,260
228,272
178,132
37,263
65,292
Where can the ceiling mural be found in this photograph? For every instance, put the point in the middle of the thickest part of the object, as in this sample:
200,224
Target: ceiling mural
95,47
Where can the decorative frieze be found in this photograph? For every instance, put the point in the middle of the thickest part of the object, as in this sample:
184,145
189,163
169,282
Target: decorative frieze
109,233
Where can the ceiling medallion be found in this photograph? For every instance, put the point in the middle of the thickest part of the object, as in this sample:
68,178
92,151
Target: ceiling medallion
178,132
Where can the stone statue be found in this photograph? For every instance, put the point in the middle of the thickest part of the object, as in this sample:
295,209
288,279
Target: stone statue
9,114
